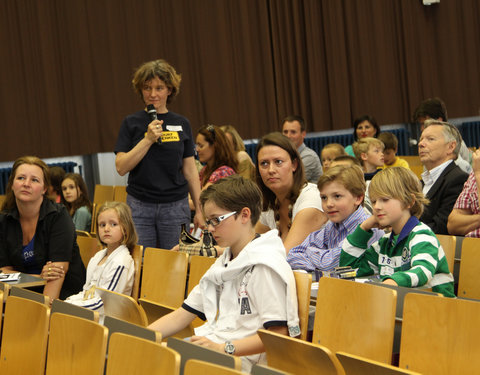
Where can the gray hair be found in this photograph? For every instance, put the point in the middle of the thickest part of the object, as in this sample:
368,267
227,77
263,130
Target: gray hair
450,133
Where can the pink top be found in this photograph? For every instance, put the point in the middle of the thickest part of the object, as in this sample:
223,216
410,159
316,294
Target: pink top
217,174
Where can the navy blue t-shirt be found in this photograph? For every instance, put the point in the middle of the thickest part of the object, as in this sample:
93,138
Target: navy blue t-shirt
158,177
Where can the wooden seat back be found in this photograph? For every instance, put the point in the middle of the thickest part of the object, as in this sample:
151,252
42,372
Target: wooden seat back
164,276
195,367
303,282
134,355
76,346
24,338
468,281
59,306
298,356
440,335
348,312
122,307
356,365
449,244
88,247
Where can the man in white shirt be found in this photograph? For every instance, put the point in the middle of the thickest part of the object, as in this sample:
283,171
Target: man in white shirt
294,128
434,108
443,180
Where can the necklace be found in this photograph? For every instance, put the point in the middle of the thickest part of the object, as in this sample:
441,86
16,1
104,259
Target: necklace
276,210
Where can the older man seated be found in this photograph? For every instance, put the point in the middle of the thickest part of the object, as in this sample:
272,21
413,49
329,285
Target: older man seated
442,180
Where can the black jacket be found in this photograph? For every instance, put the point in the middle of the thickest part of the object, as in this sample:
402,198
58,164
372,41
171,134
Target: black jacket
55,240
443,195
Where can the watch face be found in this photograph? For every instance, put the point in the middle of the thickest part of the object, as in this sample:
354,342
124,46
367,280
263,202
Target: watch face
229,348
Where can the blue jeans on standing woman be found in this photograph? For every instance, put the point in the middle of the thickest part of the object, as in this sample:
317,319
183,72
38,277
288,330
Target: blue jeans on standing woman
159,224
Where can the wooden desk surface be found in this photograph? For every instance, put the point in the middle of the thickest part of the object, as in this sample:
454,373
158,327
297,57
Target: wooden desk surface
27,281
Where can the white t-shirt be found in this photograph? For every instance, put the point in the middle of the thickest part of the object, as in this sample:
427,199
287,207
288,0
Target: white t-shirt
309,198
255,298
116,274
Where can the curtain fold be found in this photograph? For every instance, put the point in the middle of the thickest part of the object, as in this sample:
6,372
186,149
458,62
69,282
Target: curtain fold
67,65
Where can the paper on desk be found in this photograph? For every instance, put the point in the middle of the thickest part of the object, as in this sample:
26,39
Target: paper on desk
10,276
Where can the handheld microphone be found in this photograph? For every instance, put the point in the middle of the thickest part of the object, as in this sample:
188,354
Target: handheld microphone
152,112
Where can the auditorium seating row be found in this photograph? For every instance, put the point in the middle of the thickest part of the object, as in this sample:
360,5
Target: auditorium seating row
353,334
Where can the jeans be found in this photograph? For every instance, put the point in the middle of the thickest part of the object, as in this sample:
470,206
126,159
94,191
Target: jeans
159,224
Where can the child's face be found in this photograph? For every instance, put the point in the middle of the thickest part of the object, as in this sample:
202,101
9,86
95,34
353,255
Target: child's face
391,212
226,232
70,191
374,156
109,228
328,154
337,202
389,156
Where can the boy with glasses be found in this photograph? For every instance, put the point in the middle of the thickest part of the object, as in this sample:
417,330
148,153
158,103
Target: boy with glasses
250,286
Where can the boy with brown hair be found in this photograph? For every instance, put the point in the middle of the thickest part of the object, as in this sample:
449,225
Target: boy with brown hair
342,189
250,286
389,153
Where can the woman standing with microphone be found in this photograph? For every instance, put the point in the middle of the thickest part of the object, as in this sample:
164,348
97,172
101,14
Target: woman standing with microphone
159,154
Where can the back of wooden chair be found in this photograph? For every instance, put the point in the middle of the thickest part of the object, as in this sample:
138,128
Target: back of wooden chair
356,365
122,326
137,255
449,244
29,294
418,170
347,312
303,282
5,288
164,276
24,338
83,233
59,306
298,356
266,370
187,351
133,355
195,367
155,311
198,266
88,248
76,346
122,306
120,193
440,335
103,193
469,282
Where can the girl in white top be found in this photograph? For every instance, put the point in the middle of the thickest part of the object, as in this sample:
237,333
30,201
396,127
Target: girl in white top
290,204
111,268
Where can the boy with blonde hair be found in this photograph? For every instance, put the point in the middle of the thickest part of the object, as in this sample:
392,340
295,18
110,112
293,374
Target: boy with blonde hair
329,153
409,256
342,189
250,286
390,157
370,153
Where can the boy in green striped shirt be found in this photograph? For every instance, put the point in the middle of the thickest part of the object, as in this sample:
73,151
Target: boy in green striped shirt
410,255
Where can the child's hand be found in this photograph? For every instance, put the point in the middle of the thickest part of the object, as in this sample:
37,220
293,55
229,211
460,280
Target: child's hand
370,223
203,341
52,271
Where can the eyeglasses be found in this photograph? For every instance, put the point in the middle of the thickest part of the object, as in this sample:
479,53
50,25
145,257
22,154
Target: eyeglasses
214,221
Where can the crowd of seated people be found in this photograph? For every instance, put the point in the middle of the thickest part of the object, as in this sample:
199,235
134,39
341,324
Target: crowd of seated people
268,216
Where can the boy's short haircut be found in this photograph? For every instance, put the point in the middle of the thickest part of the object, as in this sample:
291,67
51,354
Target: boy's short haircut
399,183
351,177
363,145
390,141
234,193
348,158
339,149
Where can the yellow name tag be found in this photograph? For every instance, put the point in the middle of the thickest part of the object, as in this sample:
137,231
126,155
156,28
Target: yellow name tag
170,137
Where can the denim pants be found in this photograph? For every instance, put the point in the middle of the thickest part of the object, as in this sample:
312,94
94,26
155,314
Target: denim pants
159,224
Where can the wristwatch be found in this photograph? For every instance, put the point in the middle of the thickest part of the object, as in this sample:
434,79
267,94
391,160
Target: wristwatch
229,348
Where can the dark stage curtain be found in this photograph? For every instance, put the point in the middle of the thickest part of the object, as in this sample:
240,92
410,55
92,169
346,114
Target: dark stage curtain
67,65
